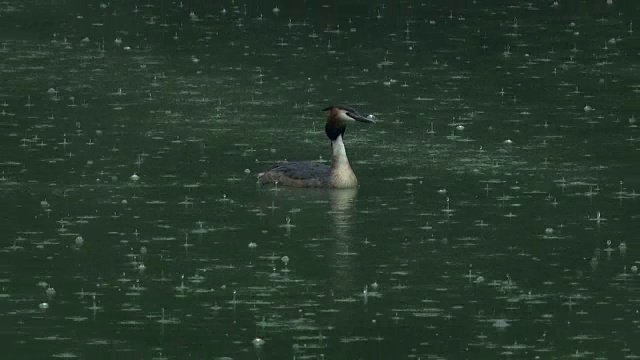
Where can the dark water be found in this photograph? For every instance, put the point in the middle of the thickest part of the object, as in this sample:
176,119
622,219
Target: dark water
497,215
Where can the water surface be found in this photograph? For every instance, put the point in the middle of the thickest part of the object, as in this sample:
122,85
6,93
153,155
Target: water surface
497,215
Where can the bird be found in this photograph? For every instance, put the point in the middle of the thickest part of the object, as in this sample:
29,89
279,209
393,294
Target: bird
312,174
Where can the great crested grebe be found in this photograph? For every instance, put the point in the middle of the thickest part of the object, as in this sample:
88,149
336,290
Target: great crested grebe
312,174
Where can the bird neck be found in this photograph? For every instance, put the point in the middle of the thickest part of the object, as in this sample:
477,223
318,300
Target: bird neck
339,159
342,175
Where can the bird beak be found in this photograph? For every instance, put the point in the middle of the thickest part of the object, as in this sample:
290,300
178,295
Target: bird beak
358,117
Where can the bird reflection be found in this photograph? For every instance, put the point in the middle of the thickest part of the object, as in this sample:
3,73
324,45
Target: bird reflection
342,210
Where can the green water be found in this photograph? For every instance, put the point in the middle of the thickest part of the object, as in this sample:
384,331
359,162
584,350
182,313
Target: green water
497,214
